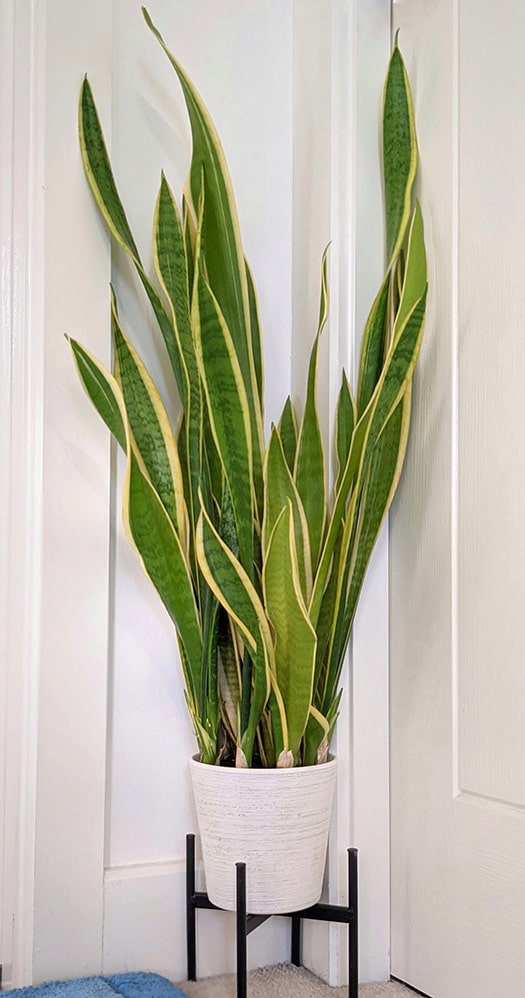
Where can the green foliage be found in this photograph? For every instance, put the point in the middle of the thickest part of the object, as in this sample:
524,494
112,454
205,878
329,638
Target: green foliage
259,568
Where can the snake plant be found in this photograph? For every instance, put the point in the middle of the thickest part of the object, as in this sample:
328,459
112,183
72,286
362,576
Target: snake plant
257,562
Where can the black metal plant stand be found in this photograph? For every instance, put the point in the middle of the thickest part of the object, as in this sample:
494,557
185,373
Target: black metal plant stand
247,923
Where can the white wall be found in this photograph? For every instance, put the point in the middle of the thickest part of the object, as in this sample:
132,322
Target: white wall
295,91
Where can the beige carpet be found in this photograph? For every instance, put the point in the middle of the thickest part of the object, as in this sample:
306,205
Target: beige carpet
286,981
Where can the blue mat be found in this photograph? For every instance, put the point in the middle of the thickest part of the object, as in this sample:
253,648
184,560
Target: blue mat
123,985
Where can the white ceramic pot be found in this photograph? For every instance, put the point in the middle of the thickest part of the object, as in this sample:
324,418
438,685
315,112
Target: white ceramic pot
274,820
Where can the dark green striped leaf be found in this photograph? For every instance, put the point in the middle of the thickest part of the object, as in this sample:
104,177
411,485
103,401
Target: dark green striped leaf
309,471
149,425
381,480
226,270
294,637
399,153
229,413
279,490
346,418
288,433
233,589
100,176
153,535
102,389
374,346
172,269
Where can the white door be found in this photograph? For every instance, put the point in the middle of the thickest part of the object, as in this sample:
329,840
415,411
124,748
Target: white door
458,528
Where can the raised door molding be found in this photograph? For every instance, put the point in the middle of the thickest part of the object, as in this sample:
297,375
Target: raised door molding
74,622
54,466
21,421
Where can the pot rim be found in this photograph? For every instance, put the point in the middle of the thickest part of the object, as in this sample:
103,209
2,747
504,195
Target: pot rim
317,767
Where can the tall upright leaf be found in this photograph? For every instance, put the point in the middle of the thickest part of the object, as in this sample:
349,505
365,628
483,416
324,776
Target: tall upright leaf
150,426
171,264
152,534
346,418
382,477
280,490
294,637
373,347
235,592
255,332
98,171
309,471
288,433
399,153
103,390
226,269
395,374
229,413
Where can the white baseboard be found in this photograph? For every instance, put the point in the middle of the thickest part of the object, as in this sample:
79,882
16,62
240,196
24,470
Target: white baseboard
145,927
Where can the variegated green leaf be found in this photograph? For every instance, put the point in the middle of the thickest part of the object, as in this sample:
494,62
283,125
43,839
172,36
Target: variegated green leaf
265,738
102,389
346,418
152,534
398,370
98,171
172,270
279,490
317,729
374,346
309,471
228,411
255,330
326,622
235,592
391,387
295,638
288,433
229,674
189,230
399,153
150,426
415,272
379,486
209,692
226,270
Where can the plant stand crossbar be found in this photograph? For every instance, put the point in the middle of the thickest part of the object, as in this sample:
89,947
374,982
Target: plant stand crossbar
246,923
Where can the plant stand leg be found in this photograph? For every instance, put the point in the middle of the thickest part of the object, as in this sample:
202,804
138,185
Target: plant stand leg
296,941
245,924
353,937
191,935
242,934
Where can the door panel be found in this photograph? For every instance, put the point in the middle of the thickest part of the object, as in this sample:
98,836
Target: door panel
457,540
491,374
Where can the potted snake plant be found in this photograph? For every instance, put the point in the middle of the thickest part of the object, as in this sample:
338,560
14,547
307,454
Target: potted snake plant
257,562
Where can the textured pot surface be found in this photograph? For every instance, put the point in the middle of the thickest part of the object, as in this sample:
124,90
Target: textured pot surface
274,820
